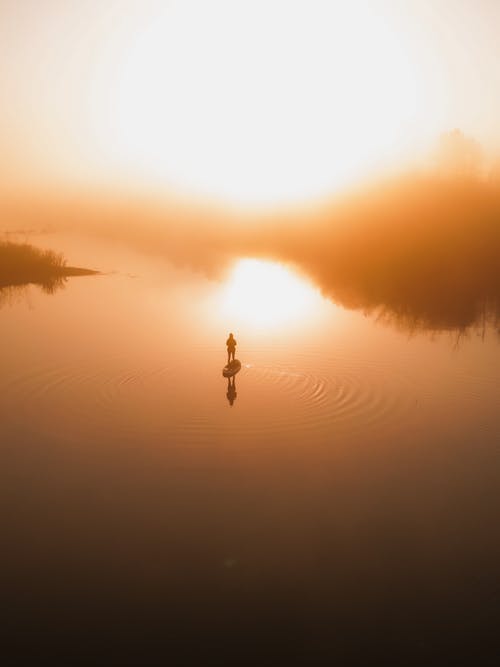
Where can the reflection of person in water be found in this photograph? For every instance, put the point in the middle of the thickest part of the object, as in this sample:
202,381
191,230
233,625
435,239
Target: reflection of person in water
231,348
231,390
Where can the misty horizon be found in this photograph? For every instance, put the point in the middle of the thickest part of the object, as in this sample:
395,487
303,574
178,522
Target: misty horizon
420,250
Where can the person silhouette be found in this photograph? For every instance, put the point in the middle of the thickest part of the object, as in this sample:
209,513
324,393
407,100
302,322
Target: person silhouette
231,348
231,390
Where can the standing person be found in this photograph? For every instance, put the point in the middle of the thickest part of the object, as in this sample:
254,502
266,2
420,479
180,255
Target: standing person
231,348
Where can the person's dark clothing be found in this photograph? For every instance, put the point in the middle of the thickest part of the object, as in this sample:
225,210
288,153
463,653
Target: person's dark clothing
231,348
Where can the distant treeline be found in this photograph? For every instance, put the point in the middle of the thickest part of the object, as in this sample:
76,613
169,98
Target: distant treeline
422,251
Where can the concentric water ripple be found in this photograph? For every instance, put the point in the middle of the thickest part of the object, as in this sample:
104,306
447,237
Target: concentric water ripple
338,394
72,397
308,394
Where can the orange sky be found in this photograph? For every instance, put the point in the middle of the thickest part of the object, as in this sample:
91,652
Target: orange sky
256,102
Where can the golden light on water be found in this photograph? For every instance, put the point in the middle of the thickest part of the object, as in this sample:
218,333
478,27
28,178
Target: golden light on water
265,295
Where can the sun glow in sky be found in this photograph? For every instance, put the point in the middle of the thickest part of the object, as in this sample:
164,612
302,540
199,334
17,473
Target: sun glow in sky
258,101
252,102
263,295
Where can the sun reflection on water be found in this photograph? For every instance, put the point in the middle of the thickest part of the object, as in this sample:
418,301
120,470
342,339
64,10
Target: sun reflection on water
264,294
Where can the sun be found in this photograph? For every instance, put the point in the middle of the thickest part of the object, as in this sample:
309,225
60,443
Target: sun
265,295
261,102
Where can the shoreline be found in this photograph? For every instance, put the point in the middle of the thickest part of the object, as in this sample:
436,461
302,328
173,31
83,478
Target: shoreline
22,264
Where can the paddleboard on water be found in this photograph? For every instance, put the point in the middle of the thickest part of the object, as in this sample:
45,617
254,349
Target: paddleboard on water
231,368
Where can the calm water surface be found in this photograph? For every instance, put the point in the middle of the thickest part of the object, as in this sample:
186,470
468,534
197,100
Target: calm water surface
352,484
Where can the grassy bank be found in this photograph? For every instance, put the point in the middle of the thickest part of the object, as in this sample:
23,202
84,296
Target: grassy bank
22,263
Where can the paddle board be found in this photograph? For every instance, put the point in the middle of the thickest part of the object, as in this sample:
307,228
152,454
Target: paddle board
231,368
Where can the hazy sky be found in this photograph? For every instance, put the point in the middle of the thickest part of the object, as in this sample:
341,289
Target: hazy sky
255,101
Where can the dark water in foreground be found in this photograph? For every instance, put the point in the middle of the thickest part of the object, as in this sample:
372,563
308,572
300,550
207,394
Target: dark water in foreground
345,505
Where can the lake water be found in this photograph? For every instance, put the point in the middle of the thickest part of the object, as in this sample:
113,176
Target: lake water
345,487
